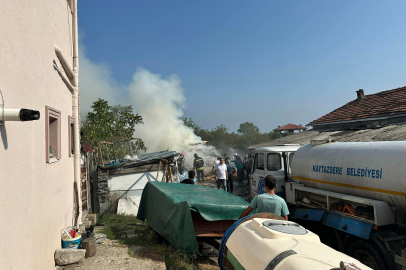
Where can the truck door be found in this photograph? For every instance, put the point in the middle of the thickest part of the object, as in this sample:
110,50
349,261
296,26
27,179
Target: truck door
258,173
274,166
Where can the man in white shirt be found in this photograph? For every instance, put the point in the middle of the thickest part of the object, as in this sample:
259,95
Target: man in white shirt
221,174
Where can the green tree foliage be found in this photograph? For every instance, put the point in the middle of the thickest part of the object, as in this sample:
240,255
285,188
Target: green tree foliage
248,134
247,128
109,123
190,123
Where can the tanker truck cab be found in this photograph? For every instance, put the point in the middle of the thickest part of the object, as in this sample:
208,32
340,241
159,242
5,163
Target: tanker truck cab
274,161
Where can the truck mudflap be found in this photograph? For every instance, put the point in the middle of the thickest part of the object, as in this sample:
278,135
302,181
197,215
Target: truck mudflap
350,225
309,214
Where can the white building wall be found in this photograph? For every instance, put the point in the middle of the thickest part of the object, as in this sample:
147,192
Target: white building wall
36,199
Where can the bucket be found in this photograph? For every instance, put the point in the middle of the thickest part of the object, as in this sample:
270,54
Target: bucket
72,243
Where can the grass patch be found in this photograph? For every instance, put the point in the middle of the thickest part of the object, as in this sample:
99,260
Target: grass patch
116,225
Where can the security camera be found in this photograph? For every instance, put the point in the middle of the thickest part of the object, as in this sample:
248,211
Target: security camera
18,115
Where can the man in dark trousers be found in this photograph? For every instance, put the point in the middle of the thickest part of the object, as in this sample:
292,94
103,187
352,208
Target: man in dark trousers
230,171
248,165
198,165
190,179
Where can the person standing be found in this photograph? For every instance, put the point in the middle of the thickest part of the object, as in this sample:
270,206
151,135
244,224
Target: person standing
248,165
181,163
226,158
268,202
198,165
230,172
240,168
221,174
215,164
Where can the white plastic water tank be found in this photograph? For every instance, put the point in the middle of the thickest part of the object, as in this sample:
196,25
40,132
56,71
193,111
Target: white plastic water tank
285,245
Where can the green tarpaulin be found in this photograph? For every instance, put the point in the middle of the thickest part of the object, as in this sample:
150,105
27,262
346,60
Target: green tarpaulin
167,206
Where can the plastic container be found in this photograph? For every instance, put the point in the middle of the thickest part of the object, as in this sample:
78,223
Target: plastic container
72,243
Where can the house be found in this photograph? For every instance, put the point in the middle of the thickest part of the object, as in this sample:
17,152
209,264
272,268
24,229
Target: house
39,160
290,128
375,117
366,111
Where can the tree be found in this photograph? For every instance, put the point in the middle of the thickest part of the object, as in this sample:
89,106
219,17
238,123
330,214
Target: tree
106,123
223,140
247,127
191,124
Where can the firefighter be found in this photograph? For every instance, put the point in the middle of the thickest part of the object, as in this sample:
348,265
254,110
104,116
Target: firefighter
198,165
181,163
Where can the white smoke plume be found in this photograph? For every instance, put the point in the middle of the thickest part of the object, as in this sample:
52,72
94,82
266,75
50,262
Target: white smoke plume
160,101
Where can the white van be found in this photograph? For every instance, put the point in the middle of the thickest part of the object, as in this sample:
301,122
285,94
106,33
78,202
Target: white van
271,161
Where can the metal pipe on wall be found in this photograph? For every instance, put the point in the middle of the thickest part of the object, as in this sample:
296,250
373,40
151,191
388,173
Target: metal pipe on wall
75,108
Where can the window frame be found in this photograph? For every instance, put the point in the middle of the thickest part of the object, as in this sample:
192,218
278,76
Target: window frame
280,162
71,121
256,162
55,114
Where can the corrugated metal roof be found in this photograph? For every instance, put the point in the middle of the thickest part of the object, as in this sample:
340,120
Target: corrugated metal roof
150,158
388,133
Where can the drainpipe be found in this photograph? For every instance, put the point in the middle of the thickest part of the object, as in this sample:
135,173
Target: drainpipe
72,82
75,109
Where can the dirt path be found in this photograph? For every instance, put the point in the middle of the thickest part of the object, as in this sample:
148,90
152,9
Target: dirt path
112,256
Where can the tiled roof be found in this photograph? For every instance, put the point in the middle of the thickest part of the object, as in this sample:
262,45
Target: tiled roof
289,127
382,104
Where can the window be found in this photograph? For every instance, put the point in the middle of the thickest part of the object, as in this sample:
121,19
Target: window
70,131
52,134
259,161
274,162
290,158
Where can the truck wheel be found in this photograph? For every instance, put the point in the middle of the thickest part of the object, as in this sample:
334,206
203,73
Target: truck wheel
368,254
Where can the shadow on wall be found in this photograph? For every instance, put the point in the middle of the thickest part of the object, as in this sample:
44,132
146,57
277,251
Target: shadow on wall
3,134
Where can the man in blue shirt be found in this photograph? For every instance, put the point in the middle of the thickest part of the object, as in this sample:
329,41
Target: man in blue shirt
230,171
268,202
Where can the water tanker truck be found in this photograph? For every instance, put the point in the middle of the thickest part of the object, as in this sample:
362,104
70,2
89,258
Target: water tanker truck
356,190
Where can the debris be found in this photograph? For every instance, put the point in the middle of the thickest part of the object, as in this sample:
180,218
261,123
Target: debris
100,238
91,217
305,200
69,256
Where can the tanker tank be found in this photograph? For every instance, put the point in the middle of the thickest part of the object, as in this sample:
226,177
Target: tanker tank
374,170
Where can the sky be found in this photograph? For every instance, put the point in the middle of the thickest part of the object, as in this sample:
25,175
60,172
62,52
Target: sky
265,62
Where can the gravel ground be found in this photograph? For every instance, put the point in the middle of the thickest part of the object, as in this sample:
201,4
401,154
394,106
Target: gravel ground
112,256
